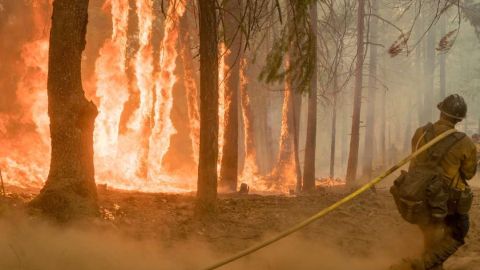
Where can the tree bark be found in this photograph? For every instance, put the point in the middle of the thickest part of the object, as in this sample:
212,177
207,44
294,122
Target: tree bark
370,129
70,190
357,99
233,41
310,143
208,152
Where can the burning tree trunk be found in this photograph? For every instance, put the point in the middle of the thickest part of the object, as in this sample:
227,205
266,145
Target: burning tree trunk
370,130
310,144
357,99
286,168
250,167
208,153
233,41
70,188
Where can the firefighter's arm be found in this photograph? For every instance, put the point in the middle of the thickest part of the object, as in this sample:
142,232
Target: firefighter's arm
469,164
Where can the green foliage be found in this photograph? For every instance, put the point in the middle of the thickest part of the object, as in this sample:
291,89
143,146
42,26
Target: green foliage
296,46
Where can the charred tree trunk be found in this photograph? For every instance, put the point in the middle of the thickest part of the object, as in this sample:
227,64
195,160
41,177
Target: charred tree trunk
357,99
310,144
70,189
372,77
233,41
208,152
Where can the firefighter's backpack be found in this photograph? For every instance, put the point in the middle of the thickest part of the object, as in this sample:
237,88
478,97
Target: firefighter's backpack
422,193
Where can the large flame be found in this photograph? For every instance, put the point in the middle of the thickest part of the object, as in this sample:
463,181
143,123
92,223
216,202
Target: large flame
283,177
20,158
163,127
222,77
129,151
250,171
112,91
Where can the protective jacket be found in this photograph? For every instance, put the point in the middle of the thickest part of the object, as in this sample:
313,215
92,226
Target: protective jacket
460,162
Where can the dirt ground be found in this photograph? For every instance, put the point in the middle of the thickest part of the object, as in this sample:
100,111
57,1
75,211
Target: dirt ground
364,234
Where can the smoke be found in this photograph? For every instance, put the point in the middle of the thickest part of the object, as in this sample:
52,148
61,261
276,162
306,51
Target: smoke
34,244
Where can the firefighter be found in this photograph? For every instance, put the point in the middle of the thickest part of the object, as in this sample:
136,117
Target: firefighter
444,234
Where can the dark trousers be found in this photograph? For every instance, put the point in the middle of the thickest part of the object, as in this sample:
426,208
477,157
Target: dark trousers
443,238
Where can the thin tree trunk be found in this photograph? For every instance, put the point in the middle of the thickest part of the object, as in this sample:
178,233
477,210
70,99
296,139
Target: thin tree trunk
70,189
357,102
334,133
208,153
443,56
370,129
310,142
418,68
297,104
229,165
429,76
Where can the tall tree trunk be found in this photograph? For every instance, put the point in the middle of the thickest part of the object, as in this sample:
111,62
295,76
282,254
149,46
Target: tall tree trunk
297,104
334,132
70,189
418,68
357,99
233,41
286,166
383,128
208,152
372,84
429,69
442,60
190,84
310,143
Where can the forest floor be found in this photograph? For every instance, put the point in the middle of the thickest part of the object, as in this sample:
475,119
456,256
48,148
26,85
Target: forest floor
159,231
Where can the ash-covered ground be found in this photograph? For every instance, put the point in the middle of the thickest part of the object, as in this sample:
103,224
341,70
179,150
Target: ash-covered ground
159,231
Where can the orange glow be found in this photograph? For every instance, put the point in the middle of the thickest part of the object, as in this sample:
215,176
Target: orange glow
283,177
130,158
192,99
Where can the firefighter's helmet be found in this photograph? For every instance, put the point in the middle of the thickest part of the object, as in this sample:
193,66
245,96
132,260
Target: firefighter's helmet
453,106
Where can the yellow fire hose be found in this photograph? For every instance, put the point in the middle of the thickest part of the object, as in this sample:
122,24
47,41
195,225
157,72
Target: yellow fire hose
332,207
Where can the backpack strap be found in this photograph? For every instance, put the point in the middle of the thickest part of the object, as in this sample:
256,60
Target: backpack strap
429,135
440,150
